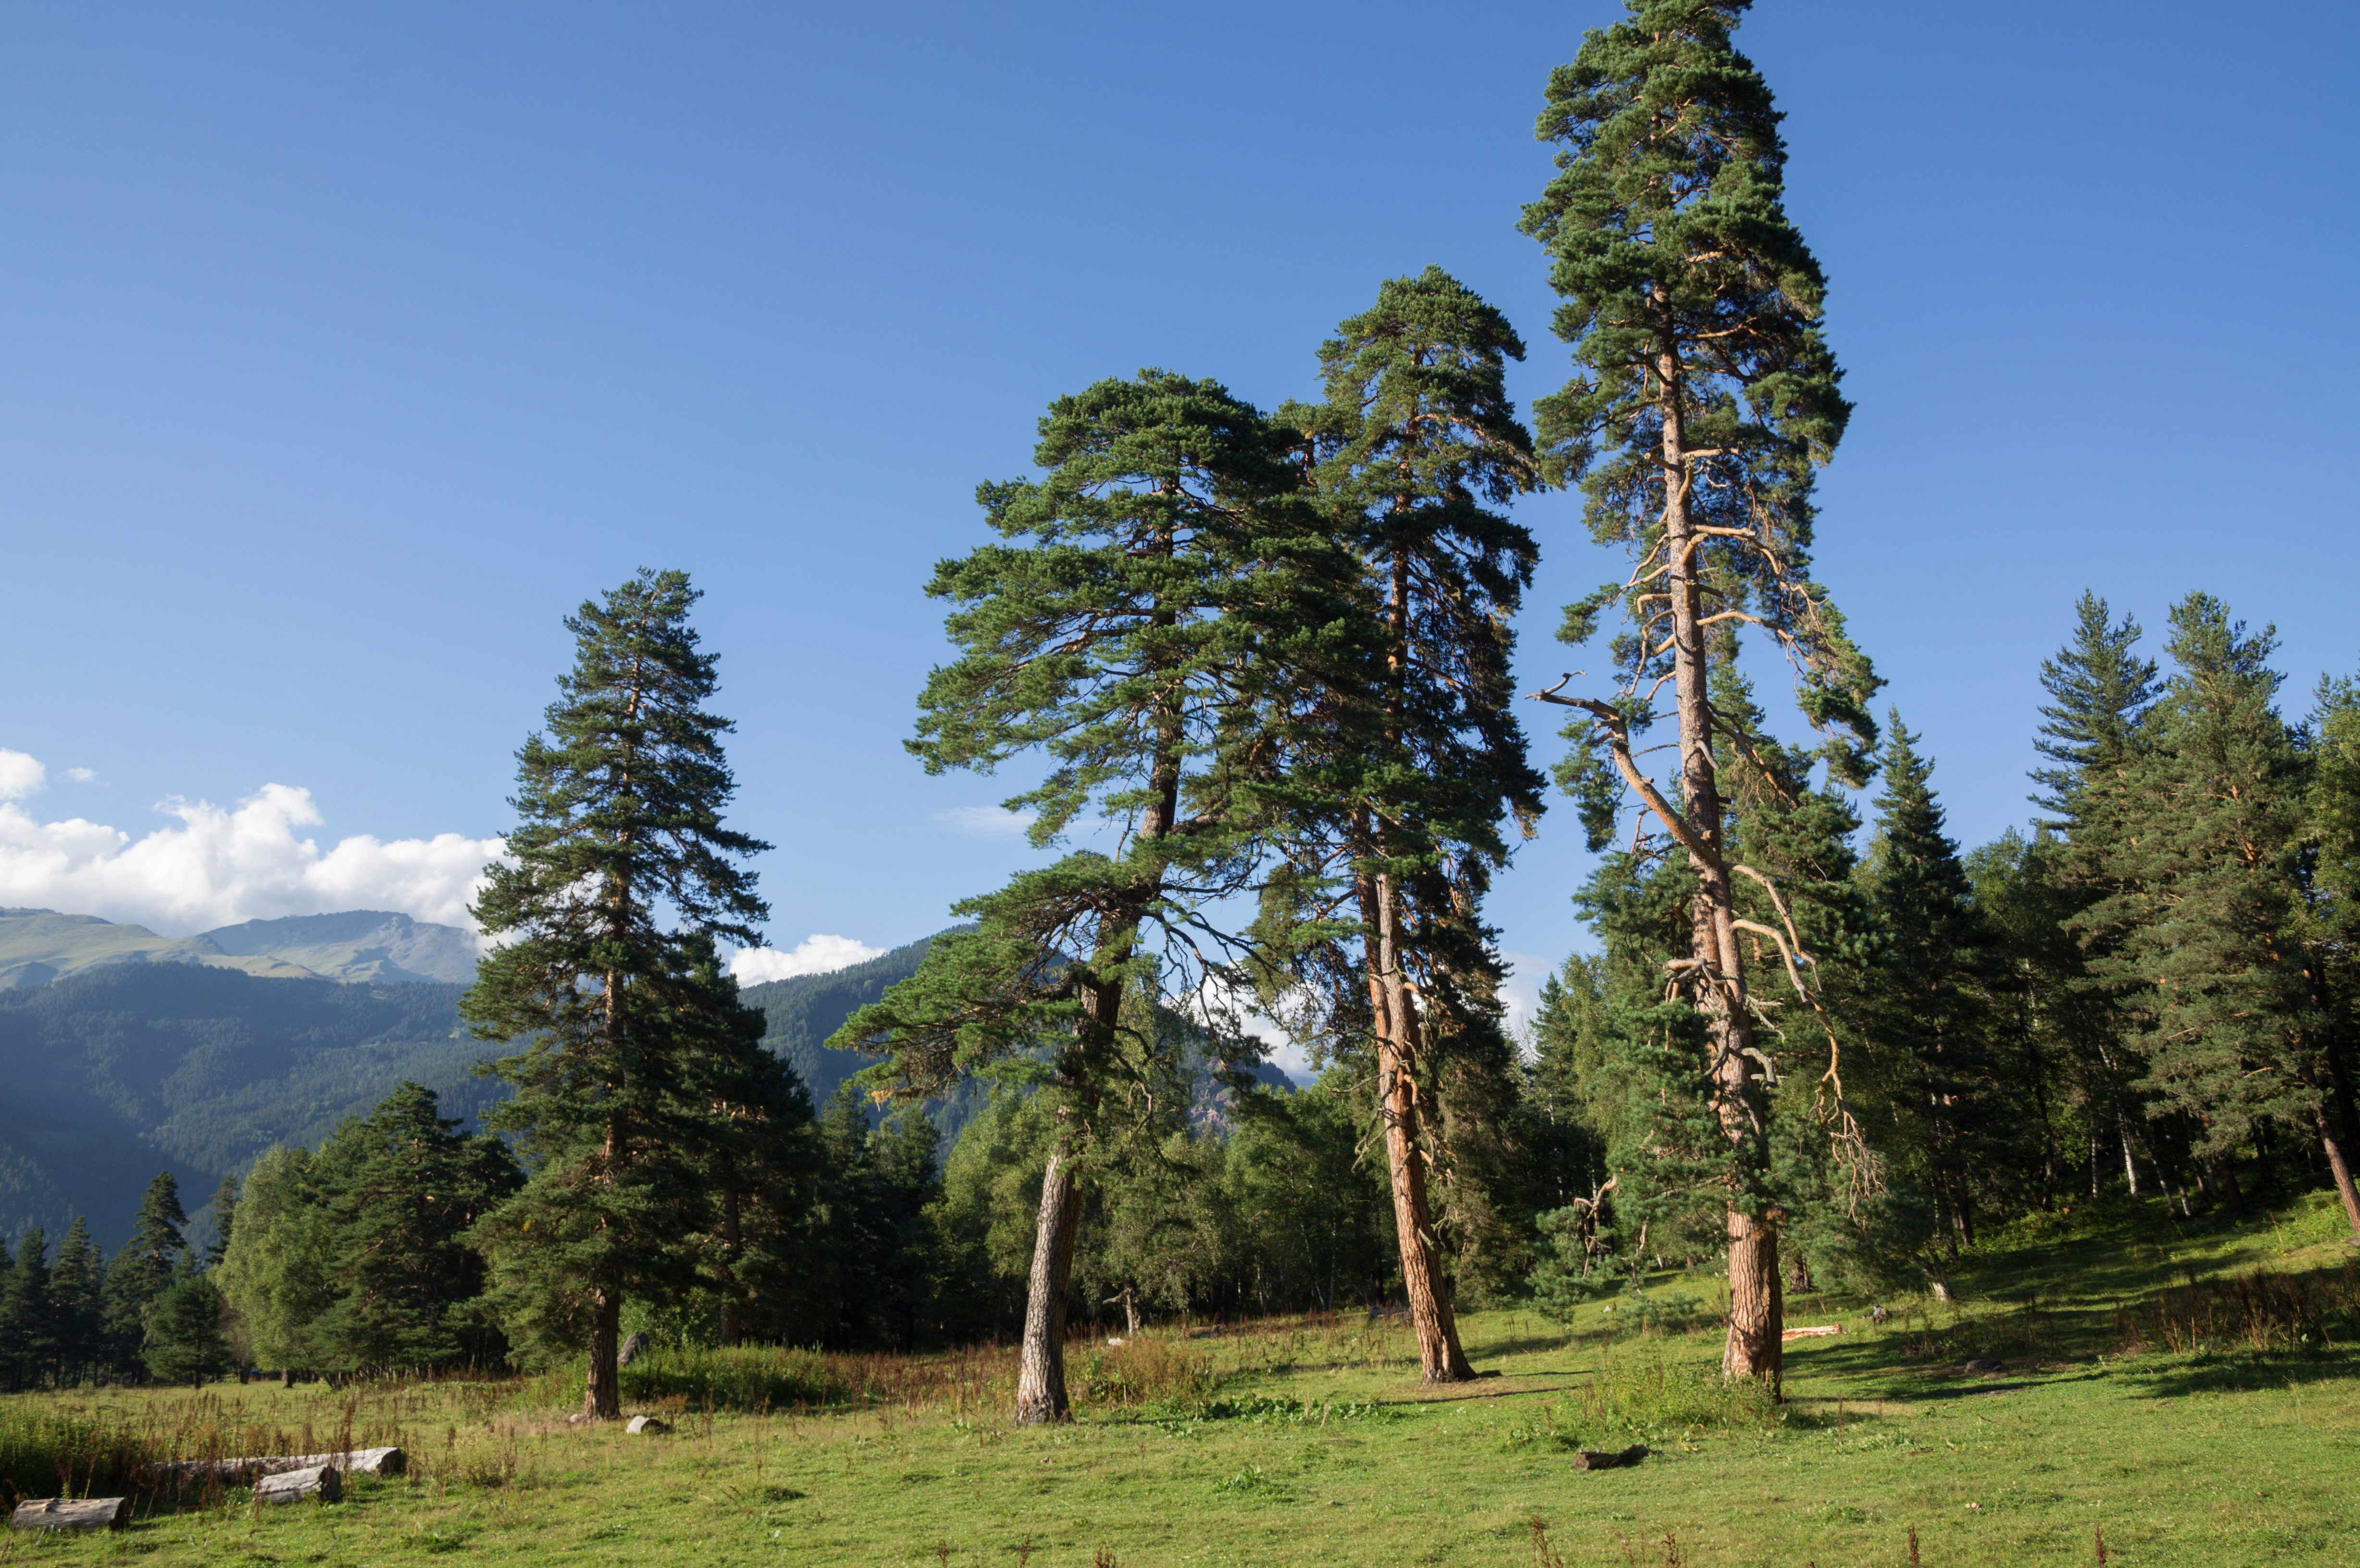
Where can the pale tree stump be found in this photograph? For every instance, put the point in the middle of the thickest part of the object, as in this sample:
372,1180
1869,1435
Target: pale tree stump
322,1481
72,1513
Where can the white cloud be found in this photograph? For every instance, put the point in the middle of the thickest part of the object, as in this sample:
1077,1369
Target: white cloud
1520,993
992,821
217,867
20,775
80,775
815,954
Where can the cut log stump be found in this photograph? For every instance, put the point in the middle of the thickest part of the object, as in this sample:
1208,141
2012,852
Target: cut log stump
1602,1459
72,1513
646,1426
322,1481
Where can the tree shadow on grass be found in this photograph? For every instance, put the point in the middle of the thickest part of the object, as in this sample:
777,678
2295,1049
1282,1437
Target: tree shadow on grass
2236,1372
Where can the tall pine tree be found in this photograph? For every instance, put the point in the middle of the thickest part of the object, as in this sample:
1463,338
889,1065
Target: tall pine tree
1127,629
1419,759
619,878
1705,397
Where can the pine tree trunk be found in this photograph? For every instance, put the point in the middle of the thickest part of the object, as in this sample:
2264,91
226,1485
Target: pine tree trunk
1440,1357
1040,1374
2338,1164
1754,1304
601,1396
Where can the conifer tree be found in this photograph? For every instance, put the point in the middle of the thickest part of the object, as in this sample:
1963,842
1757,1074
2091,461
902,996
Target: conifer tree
404,1188
2037,1011
184,1341
1123,629
2092,732
1926,1000
224,1208
621,877
1705,397
1420,758
77,1316
144,1268
2333,890
2206,891
28,1321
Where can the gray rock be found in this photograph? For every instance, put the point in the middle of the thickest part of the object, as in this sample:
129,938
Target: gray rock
1981,1366
635,1347
646,1426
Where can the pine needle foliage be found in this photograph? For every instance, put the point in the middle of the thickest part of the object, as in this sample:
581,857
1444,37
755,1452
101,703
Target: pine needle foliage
621,877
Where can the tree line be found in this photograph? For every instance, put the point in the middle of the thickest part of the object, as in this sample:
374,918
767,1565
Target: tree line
1258,662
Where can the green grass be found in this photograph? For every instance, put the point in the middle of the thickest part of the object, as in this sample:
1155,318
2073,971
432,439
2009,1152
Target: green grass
1310,1442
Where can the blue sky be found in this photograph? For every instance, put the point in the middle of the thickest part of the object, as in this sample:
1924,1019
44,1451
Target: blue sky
344,349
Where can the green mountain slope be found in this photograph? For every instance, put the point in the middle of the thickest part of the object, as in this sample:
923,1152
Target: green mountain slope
38,946
367,946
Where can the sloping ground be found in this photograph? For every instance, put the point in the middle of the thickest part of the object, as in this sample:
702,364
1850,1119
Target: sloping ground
38,946
364,946
1308,1442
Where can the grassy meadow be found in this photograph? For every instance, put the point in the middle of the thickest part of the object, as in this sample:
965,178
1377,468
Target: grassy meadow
2191,1392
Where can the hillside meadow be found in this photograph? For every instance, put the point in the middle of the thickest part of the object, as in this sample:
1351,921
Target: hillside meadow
2188,1392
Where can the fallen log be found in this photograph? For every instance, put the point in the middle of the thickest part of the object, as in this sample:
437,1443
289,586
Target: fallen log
359,1462
320,1481
1813,1332
1599,1459
72,1513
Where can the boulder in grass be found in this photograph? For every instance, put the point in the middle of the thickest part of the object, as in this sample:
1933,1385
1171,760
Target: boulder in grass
1986,1366
646,1426
1606,1459
636,1344
72,1513
321,1481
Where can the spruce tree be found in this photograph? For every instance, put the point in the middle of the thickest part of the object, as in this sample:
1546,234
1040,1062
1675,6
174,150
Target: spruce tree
27,1314
145,1267
1125,629
183,1340
620,874
1926,1002
2092,731
78,1316
224,1208
404,1188
1420,759
2208,897
1704,399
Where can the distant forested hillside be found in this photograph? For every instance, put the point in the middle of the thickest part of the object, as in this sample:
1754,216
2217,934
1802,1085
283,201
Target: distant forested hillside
123,1071
119,1072
803,1012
